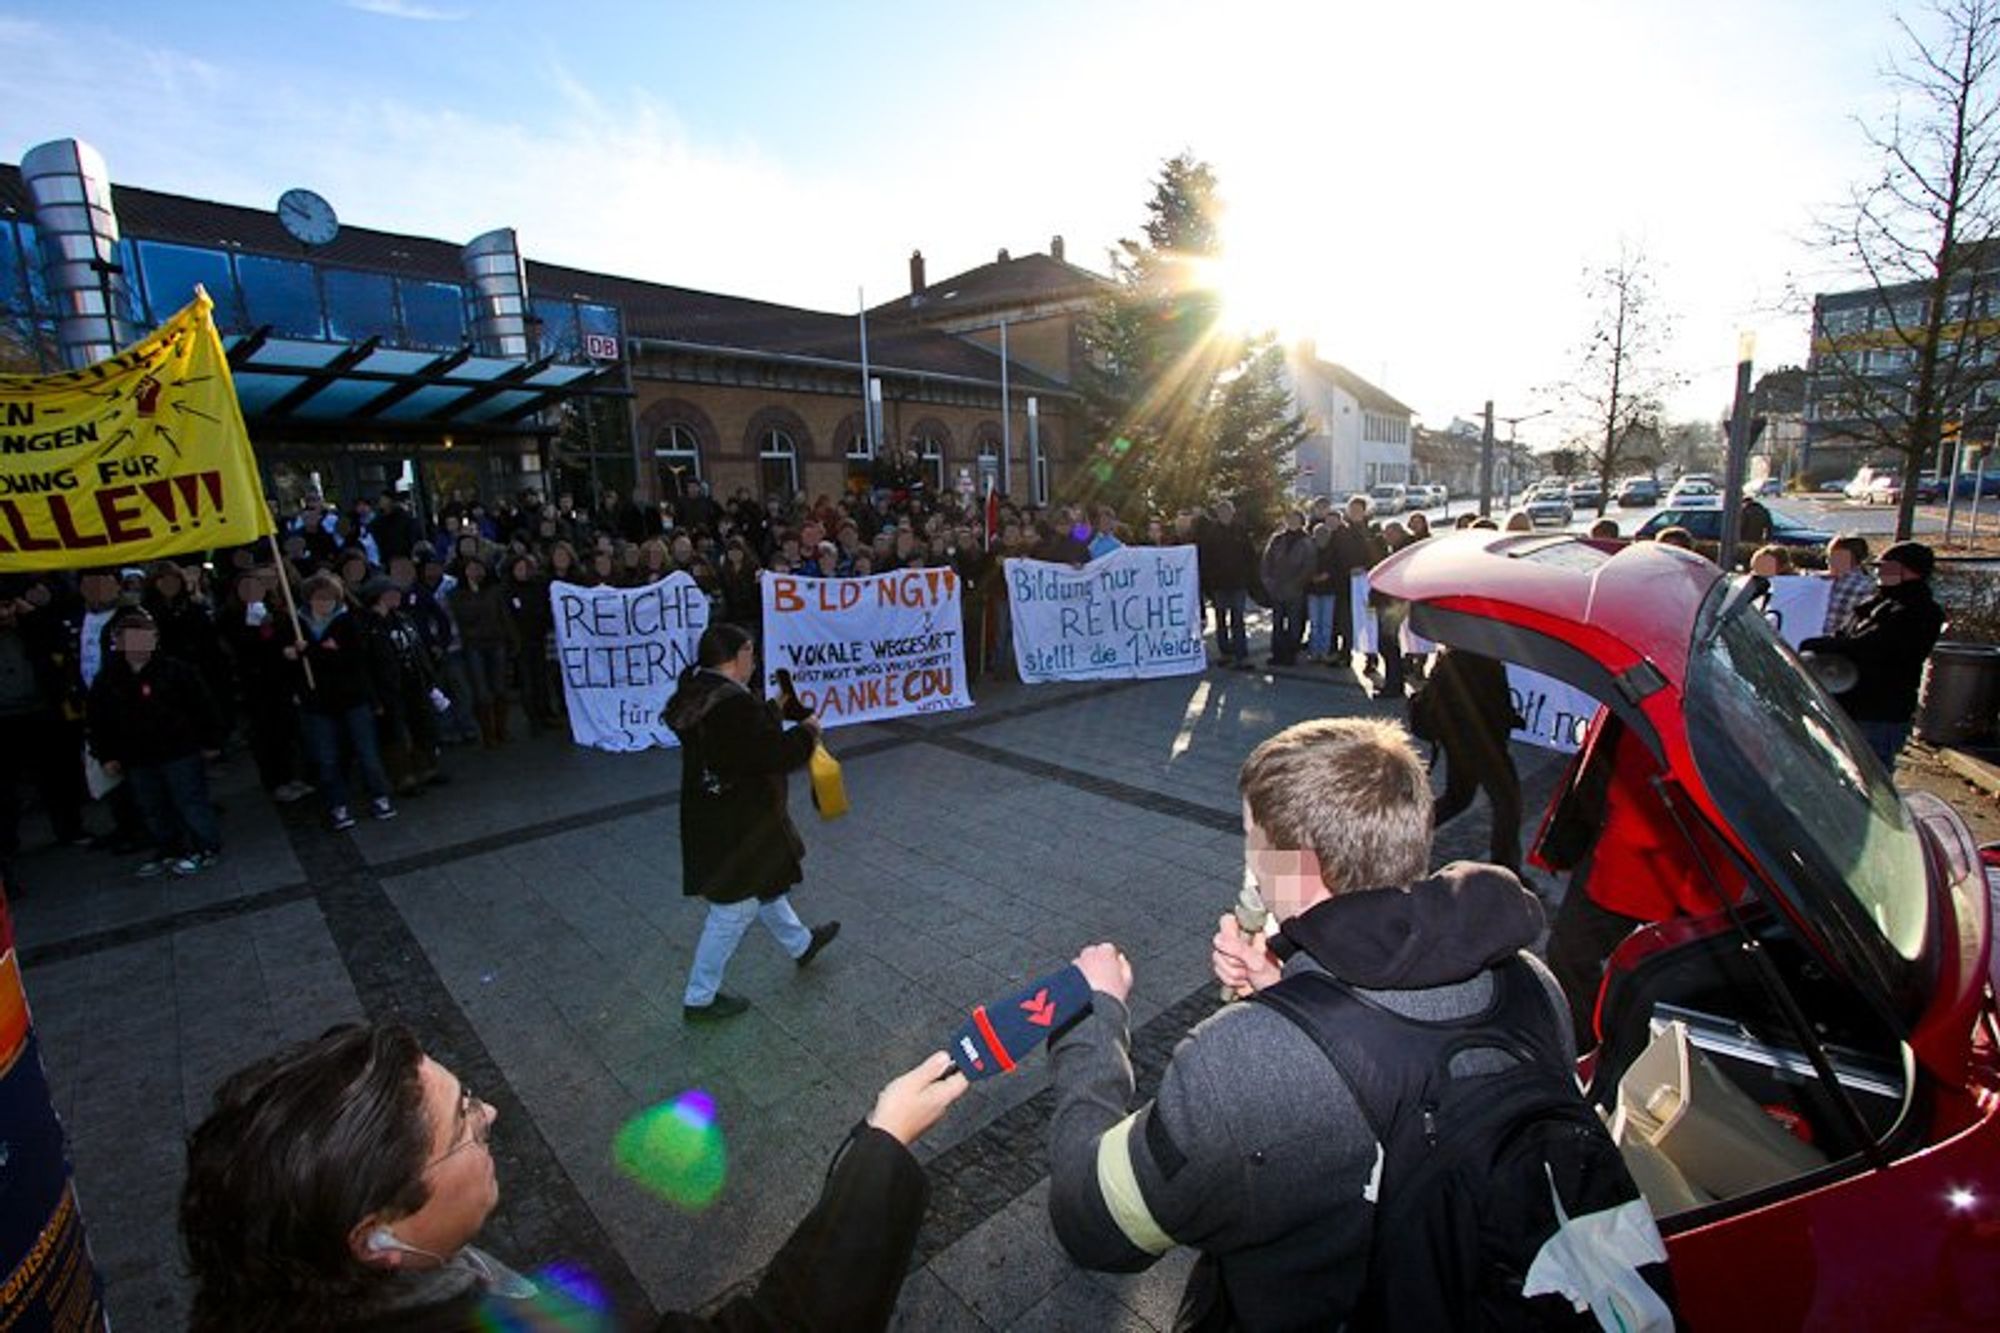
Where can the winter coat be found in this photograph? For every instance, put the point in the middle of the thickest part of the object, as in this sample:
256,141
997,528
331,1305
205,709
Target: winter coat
737,837
1249,1106
150,716
338,655
398,662
1288,563
1467,708
481,615
1888,638
1356,546
527,605
1227,559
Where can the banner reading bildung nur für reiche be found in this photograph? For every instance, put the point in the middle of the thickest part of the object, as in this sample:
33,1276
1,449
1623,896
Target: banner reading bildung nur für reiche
1132,614
136,457
861,649
621,651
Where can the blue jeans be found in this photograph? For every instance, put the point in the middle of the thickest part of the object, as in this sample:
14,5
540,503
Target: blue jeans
173,800
1319,611
1886,739
723,931
324,733
1232,639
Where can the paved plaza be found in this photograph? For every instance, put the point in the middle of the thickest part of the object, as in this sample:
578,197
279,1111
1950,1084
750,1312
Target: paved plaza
527,921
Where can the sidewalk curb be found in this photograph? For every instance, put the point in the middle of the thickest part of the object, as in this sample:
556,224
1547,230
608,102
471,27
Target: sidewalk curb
1973,769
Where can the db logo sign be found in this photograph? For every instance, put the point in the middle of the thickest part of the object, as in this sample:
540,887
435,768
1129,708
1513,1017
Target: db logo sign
600,347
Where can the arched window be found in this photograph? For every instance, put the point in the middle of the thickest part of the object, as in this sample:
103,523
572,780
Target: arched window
930,456
677,452
778,463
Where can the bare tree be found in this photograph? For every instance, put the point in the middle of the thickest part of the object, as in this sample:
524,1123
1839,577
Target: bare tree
1621,383
1921,235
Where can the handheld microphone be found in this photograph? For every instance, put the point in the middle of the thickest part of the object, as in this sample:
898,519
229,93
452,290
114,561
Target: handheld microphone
1251,917
999,1035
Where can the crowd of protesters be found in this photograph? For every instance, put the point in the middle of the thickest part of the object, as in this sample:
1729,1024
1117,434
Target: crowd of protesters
381,637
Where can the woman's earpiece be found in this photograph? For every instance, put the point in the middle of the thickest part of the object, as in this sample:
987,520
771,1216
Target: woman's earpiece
384,1241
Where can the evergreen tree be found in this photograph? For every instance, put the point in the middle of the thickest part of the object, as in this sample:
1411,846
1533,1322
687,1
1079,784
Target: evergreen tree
1181,411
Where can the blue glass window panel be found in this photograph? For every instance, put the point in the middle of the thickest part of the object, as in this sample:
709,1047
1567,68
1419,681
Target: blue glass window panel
341,398
359,306
171,272
425,401
13,273
283,293
500,403
388,361
135,298
433,314
560,338
598,319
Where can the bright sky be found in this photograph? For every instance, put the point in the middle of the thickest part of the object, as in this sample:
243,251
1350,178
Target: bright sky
1420,187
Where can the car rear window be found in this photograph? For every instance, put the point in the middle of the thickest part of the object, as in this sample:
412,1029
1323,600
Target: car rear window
1791,774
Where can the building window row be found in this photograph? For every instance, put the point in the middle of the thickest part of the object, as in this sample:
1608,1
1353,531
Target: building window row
1378,428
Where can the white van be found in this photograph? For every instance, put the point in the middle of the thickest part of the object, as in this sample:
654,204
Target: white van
1388,498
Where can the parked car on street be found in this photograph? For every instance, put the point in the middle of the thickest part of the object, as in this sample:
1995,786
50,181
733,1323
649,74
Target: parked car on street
1638,493
1547,508
1586,494
1704,524
1769,486
1692,493
1875,486
1807,1083
1388,498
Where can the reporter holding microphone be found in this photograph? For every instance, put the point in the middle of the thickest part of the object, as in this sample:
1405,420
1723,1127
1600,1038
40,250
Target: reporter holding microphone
739,848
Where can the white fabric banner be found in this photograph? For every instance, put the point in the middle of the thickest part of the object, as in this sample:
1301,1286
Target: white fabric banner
1366,633
1797,606
1132,614
868,648
621,652
1557,713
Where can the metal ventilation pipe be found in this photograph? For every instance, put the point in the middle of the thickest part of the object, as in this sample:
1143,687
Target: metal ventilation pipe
499,294
78,233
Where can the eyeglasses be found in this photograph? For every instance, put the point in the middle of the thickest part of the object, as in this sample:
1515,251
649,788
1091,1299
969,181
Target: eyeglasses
470,1112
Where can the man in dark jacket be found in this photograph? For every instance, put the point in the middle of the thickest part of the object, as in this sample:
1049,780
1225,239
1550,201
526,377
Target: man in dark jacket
34,740
1287,567
1888,639
152,722
342,1183
1353,547
1228,564
1337,839
739,849
1468,711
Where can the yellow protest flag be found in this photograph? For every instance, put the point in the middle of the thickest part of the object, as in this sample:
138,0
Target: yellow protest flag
140,456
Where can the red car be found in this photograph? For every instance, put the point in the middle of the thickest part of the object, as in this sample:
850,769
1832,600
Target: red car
1808,1080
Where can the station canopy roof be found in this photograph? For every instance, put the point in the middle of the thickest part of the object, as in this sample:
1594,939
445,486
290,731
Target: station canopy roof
293,381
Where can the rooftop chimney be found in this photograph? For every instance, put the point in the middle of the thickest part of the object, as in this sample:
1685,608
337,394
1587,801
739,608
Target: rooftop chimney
1056,249
1004,256
916,273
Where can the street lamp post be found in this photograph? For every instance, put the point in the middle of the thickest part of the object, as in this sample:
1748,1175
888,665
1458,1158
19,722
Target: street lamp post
1513,459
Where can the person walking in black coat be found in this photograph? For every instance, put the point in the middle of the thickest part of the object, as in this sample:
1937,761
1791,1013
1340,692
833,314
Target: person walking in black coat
337,703
1467,711
152,722
739,849
1888,639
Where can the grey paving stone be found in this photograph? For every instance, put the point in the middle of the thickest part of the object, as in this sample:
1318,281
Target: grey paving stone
927,1305
1007,1266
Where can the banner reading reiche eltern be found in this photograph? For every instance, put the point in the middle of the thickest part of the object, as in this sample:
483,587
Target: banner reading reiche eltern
1132,614
620,651
862,649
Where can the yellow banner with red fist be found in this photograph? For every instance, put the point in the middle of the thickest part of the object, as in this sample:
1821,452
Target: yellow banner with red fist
140,456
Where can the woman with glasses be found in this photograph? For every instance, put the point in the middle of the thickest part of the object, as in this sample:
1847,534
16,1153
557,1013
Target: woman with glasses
340,1185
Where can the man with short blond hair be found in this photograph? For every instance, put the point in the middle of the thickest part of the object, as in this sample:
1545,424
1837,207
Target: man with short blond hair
1255,1150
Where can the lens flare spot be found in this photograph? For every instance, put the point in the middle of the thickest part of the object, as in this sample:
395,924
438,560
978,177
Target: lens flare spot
675,1150
567,1298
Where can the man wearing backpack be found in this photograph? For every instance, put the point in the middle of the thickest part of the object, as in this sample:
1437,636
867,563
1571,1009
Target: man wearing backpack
1284,1168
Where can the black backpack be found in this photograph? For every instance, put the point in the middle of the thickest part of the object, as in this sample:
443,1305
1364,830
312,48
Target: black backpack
1468,1160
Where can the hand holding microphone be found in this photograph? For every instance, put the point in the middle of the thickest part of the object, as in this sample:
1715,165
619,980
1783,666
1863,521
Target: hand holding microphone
1240,961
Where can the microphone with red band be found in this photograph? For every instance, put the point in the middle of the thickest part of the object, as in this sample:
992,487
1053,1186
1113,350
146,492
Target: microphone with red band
1000,1035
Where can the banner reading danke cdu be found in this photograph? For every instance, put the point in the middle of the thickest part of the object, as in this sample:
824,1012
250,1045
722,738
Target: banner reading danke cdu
140,456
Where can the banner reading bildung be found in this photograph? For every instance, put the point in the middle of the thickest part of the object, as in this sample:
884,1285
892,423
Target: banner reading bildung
621,651
862,649
140,456
1132,614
